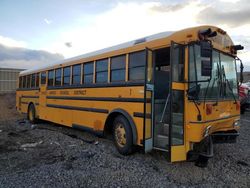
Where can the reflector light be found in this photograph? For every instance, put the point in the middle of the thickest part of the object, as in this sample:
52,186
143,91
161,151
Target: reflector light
238,106
209,109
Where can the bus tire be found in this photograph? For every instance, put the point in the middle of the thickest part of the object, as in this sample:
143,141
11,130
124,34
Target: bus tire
122,135
32,114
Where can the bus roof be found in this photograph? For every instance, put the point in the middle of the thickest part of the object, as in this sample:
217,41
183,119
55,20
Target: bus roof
105,50
223,41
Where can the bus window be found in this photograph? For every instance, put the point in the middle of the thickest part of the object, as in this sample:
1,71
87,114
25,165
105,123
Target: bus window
118,70
88,70
178,63
51,78
33,80
37,79
137,62
102,71
43,78
66,76
58,79
76,74
20,82
24,82
28,81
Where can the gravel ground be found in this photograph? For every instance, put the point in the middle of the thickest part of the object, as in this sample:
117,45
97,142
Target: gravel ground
47,155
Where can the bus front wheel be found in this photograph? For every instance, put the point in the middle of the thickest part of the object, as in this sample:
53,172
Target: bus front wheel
122,135
32,114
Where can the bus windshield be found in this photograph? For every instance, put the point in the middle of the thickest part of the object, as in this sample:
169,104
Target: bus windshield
223,82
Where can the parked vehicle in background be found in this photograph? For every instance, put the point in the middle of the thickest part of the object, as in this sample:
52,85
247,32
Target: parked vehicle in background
244,93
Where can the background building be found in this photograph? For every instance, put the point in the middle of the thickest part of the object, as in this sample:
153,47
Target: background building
8,79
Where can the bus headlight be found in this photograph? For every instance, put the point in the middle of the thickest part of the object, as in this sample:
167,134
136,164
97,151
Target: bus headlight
236,123
206,132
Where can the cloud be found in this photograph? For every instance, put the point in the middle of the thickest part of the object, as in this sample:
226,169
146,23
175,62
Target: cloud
47,21
230,14
68,44
163,6
124,22
15,57
167,8
11,42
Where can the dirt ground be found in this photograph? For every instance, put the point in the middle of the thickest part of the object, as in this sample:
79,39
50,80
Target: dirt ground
48,155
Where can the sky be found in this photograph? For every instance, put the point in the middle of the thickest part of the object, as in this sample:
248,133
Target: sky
39,32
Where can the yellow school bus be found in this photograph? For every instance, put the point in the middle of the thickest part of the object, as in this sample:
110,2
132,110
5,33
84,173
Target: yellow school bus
174,91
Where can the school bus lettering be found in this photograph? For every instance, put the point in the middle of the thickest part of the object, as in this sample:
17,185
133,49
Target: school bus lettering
80,92
52,92
64,92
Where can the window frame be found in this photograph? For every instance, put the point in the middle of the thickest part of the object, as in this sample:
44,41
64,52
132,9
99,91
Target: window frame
28,81
88,74
24,83
20,81
53,79
58,77
43,79
123,68
137,66
101,71
68,76
37,79
76,75
33,80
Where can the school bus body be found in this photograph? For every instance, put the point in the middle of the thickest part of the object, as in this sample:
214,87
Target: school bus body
93,107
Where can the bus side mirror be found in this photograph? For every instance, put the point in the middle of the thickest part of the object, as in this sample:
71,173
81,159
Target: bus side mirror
206,49
193,92
206,58
241,72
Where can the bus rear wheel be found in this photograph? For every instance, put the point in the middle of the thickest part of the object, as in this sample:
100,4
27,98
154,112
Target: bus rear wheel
122,135
32,114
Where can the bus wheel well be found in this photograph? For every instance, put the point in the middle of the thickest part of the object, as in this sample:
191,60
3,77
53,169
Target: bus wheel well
109,123
31,113
30,103
110,120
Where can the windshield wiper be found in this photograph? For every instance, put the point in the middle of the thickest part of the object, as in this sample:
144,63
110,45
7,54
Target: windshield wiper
205,96
227,82
218,83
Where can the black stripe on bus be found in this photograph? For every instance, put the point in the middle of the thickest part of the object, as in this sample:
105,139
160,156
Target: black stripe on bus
37,104
98,85
29,96
24,102
105,111
98,98
28,89
141,115
208,121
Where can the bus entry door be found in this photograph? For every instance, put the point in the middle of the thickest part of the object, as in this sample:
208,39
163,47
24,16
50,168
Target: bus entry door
176,128
148,103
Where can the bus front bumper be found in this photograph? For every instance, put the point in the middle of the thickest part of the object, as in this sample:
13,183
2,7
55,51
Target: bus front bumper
205,147
225,137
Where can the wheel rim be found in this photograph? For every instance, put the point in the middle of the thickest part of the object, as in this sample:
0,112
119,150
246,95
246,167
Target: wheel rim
30,115
120,135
